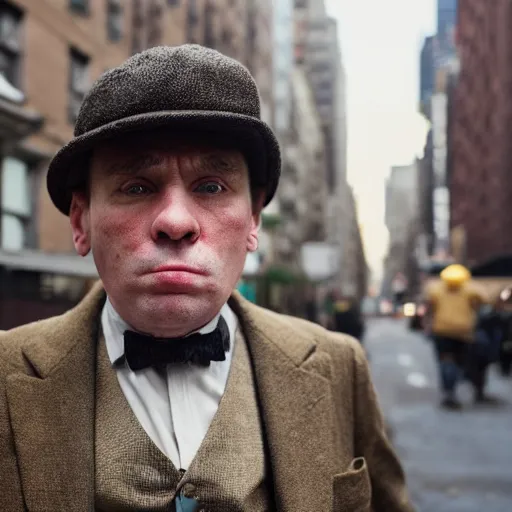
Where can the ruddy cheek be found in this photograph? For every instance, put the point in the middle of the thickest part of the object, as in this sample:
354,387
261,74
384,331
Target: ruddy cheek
234,219
124,235
224,231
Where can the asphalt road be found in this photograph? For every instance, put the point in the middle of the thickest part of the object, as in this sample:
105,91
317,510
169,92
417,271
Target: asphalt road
454,461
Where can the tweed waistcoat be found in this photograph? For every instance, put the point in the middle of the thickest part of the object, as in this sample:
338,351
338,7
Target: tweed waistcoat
229,472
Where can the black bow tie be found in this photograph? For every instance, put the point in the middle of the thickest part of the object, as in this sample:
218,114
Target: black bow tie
144,351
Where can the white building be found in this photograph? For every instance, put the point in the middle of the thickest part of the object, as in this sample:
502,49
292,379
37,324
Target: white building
283,64
324,64
303,190
401,200
440,193
402,210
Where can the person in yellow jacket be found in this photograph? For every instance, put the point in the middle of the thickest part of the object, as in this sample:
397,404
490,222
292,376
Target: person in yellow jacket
453,305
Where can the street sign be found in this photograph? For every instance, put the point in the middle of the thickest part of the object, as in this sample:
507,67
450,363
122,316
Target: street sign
320,260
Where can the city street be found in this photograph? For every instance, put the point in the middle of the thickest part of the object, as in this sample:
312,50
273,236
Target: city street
455,461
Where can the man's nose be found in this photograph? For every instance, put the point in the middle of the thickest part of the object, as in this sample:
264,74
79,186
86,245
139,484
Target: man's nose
175,219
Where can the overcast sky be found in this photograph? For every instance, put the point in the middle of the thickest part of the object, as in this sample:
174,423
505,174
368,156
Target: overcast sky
381,41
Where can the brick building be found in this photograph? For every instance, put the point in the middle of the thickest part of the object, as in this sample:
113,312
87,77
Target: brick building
54,49
241,29
51,51
480,129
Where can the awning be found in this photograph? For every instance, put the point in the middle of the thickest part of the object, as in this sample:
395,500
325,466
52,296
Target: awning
434,267
51,263
9,92
500,266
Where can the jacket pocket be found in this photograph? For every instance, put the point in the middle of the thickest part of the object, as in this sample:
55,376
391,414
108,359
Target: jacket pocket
352,490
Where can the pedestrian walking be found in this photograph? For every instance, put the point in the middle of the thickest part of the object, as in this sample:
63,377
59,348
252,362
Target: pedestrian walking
504,307
347,317
484,350
164,389
452,306
311,304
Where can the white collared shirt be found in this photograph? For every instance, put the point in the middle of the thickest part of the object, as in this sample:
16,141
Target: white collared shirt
175,408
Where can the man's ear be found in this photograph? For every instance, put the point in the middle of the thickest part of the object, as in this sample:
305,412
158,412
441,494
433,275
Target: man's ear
252,239
80,223
257,207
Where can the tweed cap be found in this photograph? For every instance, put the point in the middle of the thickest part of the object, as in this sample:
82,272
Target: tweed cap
189,89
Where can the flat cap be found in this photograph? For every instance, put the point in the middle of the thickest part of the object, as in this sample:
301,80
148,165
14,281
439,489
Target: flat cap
184,88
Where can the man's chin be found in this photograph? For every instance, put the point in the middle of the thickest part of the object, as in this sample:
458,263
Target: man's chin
174,314
179,300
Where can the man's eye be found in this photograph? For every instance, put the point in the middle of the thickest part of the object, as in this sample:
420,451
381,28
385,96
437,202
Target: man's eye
210,187
137,190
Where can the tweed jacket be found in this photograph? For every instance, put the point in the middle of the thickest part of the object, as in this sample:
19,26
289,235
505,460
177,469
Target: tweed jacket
325,435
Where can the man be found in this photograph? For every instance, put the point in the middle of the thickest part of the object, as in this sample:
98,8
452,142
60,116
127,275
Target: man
347,316
453,303
504,309
163,389
311,304
484,350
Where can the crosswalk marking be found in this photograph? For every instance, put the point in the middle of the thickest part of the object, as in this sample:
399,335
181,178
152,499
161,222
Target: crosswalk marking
417,380
405,360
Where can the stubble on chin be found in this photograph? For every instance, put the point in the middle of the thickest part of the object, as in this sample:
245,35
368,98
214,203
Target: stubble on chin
171,315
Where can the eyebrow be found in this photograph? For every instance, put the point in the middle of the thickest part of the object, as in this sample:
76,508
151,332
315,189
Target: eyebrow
135,164
223,164
220,163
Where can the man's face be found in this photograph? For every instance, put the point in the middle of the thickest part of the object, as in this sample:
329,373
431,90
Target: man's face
169,227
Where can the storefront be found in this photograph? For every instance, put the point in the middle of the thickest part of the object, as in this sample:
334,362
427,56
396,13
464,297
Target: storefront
36,285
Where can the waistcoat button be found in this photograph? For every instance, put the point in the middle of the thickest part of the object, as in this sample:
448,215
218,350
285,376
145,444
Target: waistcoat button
188,490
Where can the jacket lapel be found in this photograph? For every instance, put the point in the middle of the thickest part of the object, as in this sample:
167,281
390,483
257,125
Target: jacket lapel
296,400
52,411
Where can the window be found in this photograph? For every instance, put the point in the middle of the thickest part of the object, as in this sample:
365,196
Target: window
79,6
78,82
226,37
138,22
155,20
10,47
318,46
318,24
209,35
192,21
321,66
16,207
114,20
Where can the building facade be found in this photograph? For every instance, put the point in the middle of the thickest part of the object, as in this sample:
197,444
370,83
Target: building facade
52,52
310,153
426,237
427,75
401,199
439,68
260,52
480,186
283,65
318,49
401,219
446,17
303,188
355,272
